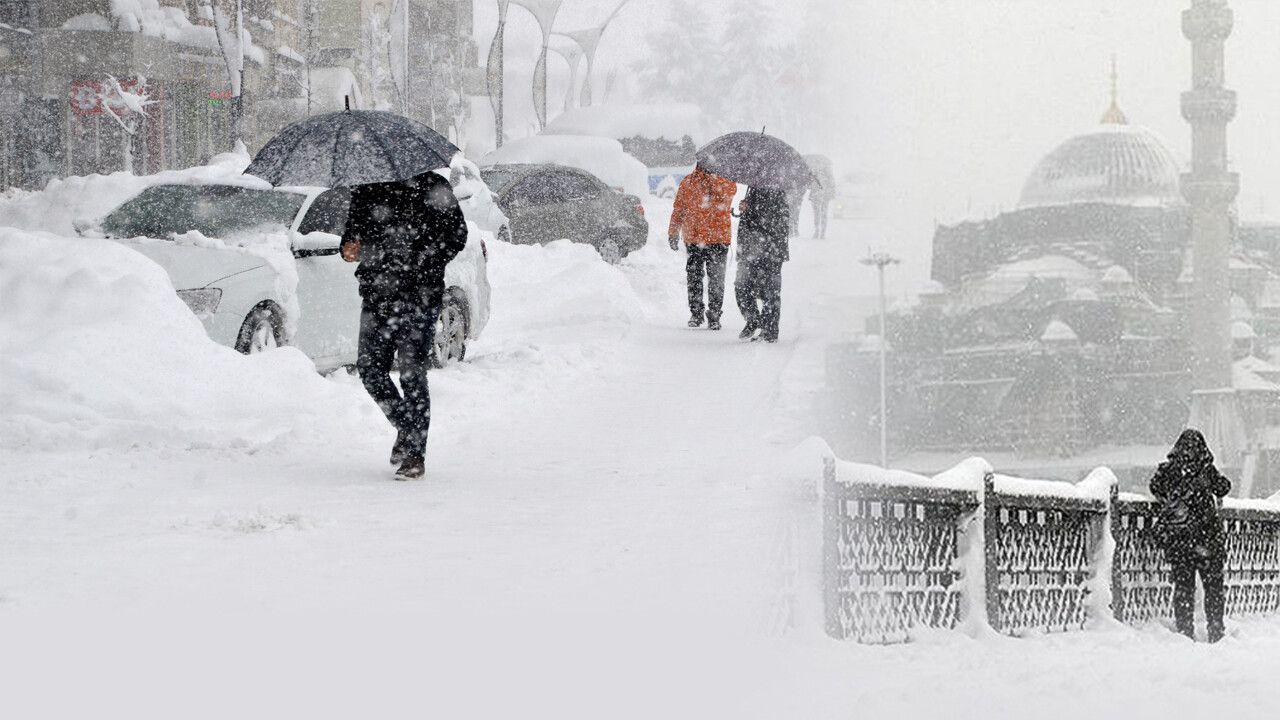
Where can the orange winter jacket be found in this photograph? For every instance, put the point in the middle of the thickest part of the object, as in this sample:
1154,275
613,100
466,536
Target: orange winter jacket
702,207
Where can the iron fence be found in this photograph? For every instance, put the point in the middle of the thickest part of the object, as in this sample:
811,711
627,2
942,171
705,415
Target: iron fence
896,558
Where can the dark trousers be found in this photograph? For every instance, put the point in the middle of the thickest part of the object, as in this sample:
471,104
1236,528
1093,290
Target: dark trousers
708,260
758,288
819,217
1184,595
407,329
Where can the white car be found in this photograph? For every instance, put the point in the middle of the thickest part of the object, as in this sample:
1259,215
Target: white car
223,247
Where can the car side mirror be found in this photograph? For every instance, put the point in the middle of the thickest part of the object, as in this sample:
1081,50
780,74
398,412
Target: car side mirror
316,244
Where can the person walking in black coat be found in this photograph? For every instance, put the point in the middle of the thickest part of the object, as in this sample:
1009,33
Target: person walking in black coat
403,234
762,248
1188,487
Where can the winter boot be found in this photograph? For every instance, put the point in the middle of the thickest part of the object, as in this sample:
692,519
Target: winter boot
695,320
747,331
713,323
412,468
397,450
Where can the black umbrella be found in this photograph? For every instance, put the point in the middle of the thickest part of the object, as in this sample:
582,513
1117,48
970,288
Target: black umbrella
757,160
353,147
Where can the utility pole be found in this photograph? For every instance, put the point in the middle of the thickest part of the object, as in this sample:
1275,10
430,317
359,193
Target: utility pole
880,261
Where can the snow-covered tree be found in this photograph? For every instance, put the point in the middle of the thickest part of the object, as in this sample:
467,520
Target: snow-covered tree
684,62
228,25
126,103
741,71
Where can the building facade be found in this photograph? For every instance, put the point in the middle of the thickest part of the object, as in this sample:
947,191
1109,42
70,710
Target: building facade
1067,325
69,68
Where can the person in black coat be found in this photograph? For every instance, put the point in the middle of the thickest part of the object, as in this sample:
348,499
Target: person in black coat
403,234
762,248
1188,487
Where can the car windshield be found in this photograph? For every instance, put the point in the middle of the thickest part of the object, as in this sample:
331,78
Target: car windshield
216,211
497,180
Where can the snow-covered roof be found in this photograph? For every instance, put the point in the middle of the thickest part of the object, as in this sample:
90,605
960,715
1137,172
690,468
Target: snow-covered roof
1119,164
1240,309
1116,275
1011,278
331,86
149,17
932,287
1242,379
88,21
1257,365
671,121
1241,330
1058,332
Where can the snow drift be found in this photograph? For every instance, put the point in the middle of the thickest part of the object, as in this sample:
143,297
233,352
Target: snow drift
99,352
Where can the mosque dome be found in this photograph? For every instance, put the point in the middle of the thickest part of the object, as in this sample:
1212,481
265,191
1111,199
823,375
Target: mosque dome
1116,163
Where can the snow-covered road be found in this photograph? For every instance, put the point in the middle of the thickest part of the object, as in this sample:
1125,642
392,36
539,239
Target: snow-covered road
611,526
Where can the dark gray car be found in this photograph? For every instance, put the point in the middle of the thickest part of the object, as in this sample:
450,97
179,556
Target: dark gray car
546,203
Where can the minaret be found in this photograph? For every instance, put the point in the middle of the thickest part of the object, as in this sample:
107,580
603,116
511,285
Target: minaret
1211,190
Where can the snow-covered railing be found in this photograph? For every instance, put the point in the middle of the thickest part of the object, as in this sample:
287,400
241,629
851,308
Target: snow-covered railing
1252,570
976,549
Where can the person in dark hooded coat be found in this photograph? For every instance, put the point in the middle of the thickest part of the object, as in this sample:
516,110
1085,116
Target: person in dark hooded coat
1188,487
403,234
762,248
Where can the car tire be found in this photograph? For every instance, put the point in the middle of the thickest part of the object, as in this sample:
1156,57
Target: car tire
610,250
450,343
262,329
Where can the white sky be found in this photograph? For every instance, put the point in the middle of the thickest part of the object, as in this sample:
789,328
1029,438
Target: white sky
952,102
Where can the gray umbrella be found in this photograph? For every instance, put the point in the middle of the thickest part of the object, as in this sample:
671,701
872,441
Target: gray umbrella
757,160
352,147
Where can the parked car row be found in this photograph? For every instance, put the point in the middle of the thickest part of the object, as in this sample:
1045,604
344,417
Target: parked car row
239,294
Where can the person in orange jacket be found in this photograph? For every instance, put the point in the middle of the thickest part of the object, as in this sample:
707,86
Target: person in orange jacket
702,216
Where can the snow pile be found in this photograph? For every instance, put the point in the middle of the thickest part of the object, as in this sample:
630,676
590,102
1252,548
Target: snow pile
968,475
602,157
670,121
79,202
561,285
99,352
473,194
88,21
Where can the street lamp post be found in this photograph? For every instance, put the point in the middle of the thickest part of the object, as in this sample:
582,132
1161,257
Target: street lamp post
589,40
544,11
880,261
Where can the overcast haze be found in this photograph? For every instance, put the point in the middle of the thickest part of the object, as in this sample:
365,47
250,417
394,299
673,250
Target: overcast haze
951,102
954,101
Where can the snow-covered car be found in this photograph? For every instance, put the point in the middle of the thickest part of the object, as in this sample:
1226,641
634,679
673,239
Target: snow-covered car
260,267
551,202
